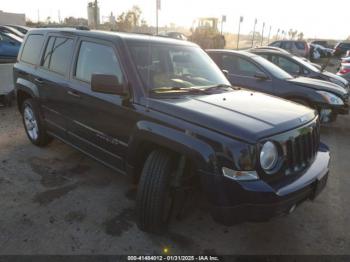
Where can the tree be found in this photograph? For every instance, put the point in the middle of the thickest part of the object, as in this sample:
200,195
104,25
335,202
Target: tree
126,21
300,36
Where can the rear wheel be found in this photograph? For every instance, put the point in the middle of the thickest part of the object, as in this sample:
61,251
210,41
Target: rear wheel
155,198
33,123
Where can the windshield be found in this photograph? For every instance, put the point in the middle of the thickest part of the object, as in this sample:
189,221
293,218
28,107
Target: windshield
272,68
10,37
306,64
163,66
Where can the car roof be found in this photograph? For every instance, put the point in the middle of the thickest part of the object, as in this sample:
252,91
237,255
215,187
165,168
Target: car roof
270,51
230,51
112,36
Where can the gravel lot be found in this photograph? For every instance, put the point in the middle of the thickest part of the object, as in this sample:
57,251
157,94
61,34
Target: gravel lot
58,201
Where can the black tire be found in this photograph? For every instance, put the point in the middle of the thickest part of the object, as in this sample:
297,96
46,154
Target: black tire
42,138
153,207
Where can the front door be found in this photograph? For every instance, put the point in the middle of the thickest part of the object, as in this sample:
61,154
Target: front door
100,124
244,73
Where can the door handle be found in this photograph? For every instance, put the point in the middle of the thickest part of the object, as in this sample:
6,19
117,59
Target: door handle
74,94
39,80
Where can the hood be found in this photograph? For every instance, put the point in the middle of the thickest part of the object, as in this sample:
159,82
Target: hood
334,76
241,114
319,85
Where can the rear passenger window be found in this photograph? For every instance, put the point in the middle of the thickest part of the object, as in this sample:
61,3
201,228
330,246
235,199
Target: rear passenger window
97,59
32,48
58,54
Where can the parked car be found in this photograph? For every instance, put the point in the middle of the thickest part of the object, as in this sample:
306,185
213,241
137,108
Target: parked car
296,47
254,72
160,111
344,71
21,28
299,67
9,47
318,51
345,60
175,35
322,43
8,29
269,48
341,48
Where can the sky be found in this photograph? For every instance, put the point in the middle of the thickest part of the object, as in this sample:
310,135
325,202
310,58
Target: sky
314,18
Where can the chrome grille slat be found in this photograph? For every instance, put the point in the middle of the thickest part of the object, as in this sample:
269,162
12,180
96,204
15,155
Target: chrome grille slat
301,149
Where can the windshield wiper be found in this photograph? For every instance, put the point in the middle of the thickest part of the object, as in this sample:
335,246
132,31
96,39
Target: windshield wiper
221,86
173,88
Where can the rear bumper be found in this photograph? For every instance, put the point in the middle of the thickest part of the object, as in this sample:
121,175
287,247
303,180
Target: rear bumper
258,201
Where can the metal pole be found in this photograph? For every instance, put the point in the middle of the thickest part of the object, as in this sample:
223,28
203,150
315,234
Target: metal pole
262,34
254,31
239,30
277,34
157,8
268,39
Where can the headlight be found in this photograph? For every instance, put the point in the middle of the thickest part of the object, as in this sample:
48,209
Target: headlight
268,156
330,98
335,81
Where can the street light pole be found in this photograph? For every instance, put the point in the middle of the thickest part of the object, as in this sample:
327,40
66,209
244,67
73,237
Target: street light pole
262,34
268,39
239,29
255,22
157,9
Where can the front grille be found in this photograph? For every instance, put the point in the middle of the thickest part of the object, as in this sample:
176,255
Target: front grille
299,148
299,151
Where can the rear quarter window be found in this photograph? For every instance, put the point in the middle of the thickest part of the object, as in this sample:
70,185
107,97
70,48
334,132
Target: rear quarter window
32,48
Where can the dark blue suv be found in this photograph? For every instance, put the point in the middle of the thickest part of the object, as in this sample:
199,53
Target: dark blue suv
161,112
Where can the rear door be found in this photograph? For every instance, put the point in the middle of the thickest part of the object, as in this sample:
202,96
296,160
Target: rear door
99,124
242,72
52,79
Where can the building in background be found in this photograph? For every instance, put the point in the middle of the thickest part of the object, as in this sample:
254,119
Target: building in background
93,14
12,18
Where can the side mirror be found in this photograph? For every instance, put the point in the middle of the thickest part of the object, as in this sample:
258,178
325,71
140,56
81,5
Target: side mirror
107,84
261,76
225,72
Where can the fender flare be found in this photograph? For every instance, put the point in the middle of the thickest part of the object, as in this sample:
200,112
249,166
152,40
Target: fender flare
23,85
178,141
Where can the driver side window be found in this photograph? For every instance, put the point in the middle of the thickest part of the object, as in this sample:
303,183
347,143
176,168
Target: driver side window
287,65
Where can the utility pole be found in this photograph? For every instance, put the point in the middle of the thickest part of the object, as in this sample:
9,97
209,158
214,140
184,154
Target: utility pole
223,19
239,29
158,6
268,39
38,16
262,34
255,22
59,16
278,30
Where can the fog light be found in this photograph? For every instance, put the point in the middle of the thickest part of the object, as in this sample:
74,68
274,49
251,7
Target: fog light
239,175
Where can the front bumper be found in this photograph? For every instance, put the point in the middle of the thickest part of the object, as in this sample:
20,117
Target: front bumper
233,201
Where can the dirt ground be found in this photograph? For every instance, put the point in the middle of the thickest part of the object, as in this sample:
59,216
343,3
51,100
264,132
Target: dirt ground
58,201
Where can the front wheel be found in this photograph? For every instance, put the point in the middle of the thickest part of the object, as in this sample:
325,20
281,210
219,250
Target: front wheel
154,198
33,123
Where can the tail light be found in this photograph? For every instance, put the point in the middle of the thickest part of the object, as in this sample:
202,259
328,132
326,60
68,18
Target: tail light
344,71
307,49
